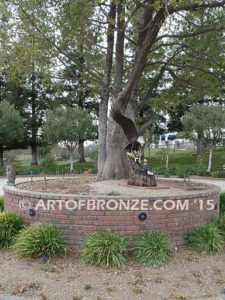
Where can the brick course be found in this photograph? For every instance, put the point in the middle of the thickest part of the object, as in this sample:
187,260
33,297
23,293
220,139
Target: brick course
78,224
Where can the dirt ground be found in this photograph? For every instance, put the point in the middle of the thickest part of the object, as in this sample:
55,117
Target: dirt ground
89,186
187,276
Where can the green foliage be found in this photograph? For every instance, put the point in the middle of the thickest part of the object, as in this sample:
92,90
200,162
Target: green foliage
165,171
10,225
1,204
185,161
207,121
55,169
14,162
152,249
2,171
105,250
11,125
205,239
40,240
222,203
94,156
48,162
220,223
218,174
69,125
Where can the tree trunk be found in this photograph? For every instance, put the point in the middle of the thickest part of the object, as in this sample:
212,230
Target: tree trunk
116,165
34,126
71,161
103,107
200,145
1,156
139,176
81,151
34,161
210,159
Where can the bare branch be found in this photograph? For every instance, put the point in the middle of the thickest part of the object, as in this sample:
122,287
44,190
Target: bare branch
193,7
190,34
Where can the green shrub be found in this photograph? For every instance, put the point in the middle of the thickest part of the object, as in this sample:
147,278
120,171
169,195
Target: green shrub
222,203
2,171
105,250
203,172
1,204
14,162
220,223
206,238
10,225
152,249
218,174
165,171
40,240
48,162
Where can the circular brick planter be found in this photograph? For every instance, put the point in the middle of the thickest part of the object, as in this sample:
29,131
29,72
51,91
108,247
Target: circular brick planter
78,216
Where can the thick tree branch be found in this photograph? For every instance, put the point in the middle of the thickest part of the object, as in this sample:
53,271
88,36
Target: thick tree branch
193,7
191,34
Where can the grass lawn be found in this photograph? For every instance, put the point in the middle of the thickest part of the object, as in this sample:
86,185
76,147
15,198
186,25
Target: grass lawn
61,167
182,161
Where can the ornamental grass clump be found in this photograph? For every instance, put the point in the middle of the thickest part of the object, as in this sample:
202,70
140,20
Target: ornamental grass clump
222,204
152,249
10,225
40,240
105,250
205,239
1,204
220,223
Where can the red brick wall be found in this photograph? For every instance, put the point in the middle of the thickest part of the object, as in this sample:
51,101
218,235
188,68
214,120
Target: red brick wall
78,224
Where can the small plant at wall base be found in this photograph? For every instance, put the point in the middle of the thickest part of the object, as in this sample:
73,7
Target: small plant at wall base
10,225
222,204
220,223
152,249
1,204
40,240
105,250
205,239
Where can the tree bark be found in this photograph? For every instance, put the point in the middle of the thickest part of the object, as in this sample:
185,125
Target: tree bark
1,156
71,161
115,166
210,159
34,128
103,107
34,160
200,144
81,151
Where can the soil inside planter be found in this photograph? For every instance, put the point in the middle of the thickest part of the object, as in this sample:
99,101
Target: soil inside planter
89,186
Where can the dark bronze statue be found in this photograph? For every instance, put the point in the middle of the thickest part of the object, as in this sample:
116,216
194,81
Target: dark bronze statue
138,175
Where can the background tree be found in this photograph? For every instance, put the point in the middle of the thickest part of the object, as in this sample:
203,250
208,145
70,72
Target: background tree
152,52
68,126
209,122
11,128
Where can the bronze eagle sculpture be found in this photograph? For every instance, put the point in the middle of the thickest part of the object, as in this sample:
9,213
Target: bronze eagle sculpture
135,137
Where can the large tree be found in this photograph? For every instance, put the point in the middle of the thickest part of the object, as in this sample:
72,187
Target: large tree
149,46
68,126
11,128
165,33
207,121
